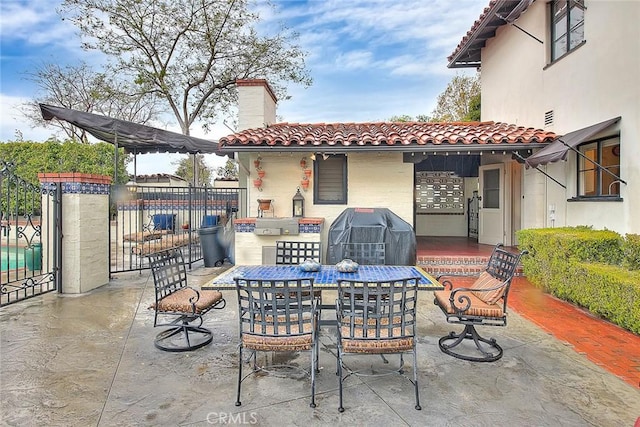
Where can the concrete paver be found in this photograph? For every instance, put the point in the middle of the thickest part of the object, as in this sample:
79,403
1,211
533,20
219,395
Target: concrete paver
90,360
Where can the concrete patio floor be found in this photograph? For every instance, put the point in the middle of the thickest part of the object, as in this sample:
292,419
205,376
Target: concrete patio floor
89,360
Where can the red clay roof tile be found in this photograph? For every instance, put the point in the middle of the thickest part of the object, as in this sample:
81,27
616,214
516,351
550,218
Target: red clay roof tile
386,134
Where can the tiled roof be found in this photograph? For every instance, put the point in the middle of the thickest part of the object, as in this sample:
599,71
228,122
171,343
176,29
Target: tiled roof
398,134
495,15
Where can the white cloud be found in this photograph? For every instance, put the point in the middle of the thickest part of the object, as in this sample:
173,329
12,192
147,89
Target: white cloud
13,123
370,60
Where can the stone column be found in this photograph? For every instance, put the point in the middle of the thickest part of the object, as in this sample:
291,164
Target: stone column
85,229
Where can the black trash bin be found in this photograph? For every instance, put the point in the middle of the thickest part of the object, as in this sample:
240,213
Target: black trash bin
212,250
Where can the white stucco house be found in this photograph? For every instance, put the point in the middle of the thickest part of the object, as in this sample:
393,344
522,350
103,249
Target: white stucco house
425,173
570,67
534,91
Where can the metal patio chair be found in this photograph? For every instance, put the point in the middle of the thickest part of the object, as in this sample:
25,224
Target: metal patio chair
482,304
293,253
179,306
365,253
277,315
377,318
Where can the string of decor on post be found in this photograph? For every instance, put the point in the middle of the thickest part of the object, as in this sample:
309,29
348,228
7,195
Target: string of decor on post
306,174
261,173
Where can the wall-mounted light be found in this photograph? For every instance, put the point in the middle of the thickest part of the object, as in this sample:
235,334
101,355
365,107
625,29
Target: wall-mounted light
298,204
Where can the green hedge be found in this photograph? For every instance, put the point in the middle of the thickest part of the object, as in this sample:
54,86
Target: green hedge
631,250
605,290
583,266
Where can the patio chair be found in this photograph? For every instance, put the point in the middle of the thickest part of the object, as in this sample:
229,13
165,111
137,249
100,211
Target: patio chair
164,222
293,253
365,253
179,306
277,316
377,318
482,304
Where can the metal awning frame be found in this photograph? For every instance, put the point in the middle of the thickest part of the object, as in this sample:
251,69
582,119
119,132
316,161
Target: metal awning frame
575,150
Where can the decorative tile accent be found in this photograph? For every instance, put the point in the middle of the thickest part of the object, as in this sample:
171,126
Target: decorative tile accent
310,228
77,188
305,225
327,277
244,227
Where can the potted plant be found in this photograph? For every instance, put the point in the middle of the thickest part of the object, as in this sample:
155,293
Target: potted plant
257,183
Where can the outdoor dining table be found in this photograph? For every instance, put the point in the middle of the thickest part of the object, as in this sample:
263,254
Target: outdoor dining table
326,278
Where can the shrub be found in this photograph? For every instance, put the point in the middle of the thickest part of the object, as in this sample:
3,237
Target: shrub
631,250
582,266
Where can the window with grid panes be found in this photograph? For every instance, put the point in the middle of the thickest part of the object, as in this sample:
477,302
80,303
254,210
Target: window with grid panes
592,180
567,26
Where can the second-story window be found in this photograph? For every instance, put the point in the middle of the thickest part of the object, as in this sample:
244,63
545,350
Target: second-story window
567,26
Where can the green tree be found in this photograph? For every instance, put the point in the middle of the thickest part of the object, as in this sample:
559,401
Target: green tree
30,158
460,102
474,109
228,171
185,170
461,95
189,52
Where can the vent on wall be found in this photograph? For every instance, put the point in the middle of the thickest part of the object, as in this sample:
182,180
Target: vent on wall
548,118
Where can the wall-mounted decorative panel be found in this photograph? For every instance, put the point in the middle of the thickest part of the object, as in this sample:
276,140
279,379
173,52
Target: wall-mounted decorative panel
439,193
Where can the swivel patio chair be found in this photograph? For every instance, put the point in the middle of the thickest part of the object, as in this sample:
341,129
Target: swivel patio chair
179,306
484,303
277,315
377,318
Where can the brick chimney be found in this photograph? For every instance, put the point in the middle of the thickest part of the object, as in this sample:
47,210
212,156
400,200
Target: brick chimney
256,104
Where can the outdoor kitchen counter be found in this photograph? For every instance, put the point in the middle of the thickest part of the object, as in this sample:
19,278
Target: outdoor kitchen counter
255,238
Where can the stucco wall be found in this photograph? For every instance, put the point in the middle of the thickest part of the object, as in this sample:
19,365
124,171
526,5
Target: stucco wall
374,181
85,246
595,82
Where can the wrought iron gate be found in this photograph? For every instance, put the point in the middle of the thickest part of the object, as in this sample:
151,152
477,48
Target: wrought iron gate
30,238
473,209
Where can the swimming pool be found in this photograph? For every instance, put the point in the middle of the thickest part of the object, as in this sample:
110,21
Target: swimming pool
11,257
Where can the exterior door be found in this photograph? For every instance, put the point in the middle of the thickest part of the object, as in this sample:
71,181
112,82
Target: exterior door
491,226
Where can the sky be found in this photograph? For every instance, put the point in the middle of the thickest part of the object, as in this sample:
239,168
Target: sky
370,60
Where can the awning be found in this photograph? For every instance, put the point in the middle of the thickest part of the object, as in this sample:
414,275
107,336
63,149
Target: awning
133,137
558,149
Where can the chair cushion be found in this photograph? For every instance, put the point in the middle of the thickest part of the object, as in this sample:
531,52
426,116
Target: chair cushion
279,343
377,346
179,301
358,331
486,281
477,308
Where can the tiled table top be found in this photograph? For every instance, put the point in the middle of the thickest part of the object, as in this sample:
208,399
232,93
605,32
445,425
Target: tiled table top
326,278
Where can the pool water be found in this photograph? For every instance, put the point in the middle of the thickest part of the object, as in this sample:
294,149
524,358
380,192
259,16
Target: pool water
11,257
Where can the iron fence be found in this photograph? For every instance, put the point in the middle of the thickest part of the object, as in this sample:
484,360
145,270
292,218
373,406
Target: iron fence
29,237
146,219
